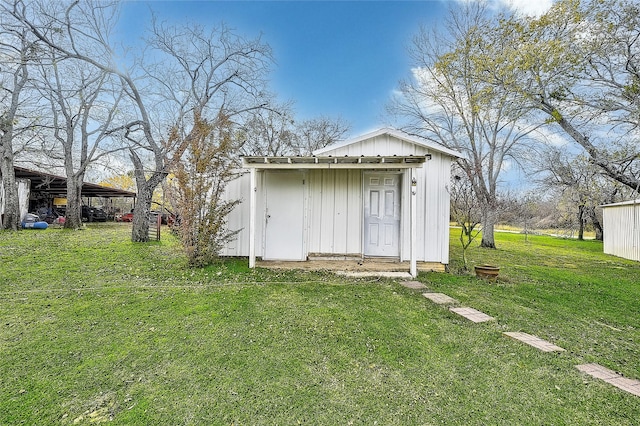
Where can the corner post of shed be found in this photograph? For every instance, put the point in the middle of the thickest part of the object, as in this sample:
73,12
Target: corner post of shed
413,268
252,218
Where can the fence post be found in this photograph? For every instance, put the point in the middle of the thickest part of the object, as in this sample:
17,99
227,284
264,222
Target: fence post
159,225
155,226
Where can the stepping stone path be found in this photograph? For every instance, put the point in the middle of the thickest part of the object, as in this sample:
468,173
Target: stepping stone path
472,314
599,372
534,341
595,370
415,285
440,298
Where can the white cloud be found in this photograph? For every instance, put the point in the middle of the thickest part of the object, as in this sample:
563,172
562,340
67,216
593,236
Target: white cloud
524,7
528,7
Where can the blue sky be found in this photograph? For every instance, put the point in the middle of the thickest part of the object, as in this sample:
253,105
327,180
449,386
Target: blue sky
333,58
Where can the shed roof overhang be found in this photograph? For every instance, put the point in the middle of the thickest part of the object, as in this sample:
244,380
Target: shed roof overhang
331,162
622,204
56,186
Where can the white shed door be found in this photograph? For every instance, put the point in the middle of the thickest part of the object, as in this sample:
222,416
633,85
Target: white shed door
382,214
284,219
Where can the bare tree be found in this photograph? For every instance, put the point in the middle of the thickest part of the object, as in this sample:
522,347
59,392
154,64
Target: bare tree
317,133
465,210
213,71
526,208
195,71
446,102
17,53
83,102
274,131
581,184
269,131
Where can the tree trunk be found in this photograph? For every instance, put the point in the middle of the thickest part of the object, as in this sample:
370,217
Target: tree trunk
141,212
597,226
11,216
488,224
73,212
142,209
580,223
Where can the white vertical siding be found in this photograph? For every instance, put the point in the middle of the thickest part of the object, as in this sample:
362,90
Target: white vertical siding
436,202
341,213
432,198
355,212
444,212
621,225
380,145
315,211
326,218
335,211
238,189
238,219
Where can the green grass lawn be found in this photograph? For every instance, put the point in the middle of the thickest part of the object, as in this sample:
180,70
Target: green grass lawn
95,328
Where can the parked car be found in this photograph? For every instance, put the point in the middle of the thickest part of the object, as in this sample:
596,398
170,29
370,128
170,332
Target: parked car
93,214
126,217
167,219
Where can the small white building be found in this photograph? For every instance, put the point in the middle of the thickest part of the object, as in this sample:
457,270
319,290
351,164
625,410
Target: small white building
380,195
621,226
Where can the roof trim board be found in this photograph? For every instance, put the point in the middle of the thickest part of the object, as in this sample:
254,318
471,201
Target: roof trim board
622,203
331,162
396,134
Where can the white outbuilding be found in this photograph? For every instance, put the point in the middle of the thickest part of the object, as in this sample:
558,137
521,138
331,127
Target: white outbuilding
621,226
381,195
